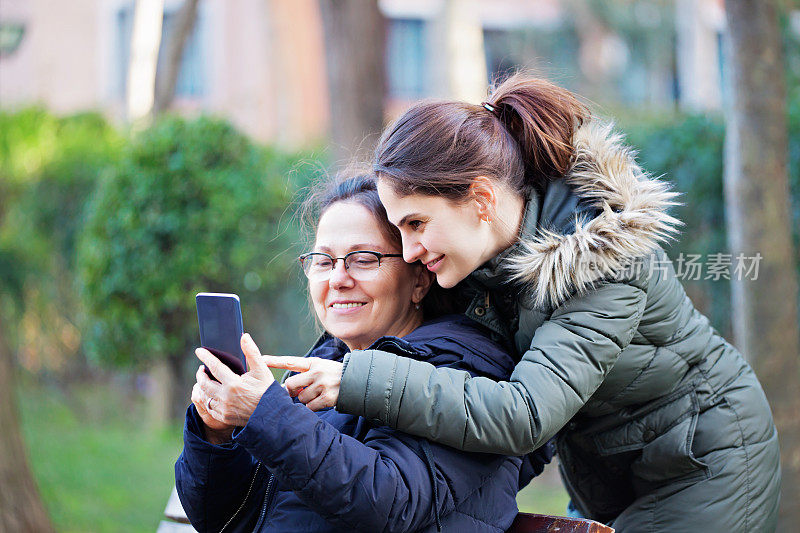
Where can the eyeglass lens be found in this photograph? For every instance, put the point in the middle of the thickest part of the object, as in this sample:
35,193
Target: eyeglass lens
359,265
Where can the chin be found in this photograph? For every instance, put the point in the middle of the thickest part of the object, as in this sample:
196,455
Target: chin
446,282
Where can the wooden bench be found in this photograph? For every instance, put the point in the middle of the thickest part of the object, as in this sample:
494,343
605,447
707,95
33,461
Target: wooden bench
176,521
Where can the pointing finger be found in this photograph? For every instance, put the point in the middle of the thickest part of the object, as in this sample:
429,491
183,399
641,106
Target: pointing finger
295,364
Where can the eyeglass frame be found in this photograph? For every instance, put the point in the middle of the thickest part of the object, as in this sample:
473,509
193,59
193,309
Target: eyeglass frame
379,255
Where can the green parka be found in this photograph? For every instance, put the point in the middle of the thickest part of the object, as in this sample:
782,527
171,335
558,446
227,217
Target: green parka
661,424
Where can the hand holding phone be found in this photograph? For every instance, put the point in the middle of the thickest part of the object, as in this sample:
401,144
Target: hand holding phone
233,399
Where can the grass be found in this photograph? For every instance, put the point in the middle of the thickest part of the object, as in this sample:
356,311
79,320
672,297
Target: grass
99,469
545,494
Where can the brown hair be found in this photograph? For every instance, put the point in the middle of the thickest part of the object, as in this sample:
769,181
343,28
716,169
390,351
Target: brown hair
522,137
358,187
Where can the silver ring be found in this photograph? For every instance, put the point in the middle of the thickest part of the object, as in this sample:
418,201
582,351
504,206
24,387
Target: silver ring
208,404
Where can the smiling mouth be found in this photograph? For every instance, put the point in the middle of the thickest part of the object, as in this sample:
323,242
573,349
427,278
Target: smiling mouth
348,305
433,264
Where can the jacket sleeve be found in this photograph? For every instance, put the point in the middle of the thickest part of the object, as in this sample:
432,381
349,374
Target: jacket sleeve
570,355
213,481
378,484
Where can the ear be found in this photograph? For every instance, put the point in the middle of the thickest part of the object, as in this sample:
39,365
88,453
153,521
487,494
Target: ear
484,191
422,284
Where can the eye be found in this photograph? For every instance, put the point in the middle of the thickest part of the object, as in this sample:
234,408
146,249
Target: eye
414,224
321,262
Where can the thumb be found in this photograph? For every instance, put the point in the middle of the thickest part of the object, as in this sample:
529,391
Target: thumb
251,353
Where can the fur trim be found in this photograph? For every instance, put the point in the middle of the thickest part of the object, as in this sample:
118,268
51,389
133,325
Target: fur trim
633,222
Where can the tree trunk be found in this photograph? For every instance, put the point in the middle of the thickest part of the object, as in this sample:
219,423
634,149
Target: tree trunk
167,79
697,52
355,38
159,393
758,218
21,508
145,41
458,53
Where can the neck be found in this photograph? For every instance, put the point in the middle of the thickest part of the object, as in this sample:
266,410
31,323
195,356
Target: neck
510,214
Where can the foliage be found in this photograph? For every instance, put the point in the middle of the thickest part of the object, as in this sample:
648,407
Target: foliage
48,167
193,206
689,153
792,49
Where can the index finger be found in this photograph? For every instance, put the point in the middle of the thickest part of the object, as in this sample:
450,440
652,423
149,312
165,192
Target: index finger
289,362
217,367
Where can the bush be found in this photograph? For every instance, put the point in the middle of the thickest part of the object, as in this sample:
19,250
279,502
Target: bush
48,167
193,206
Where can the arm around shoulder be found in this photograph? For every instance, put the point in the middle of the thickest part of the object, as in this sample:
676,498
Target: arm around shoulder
568,359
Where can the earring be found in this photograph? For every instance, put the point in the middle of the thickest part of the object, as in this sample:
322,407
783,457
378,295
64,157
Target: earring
416,306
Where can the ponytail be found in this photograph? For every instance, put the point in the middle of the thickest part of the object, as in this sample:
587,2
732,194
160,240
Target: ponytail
542,117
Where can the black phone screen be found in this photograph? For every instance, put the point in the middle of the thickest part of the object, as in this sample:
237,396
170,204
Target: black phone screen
220,319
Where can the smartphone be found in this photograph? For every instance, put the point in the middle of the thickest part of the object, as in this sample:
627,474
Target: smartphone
219,316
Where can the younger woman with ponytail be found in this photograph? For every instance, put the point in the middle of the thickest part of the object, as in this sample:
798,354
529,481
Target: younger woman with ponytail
544,219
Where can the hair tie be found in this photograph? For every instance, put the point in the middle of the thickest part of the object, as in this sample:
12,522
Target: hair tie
489,107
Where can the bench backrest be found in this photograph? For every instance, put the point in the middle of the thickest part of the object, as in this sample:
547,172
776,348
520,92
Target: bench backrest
542,523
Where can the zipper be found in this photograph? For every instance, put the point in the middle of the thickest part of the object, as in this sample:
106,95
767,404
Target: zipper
267,501
246,496
271,483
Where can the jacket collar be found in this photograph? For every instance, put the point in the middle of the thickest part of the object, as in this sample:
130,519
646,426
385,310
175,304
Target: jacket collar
604,213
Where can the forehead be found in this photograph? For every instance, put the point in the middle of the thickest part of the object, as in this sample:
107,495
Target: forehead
397,207
346,226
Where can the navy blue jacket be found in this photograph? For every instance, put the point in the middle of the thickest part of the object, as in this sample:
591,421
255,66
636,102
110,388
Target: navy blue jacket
290,469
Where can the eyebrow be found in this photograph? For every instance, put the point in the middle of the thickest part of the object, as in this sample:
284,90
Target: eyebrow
362,246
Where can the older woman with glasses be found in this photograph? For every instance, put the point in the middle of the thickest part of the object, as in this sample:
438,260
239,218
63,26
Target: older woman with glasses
254,459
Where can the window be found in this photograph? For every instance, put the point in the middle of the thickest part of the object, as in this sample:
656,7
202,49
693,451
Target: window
192,75
405,58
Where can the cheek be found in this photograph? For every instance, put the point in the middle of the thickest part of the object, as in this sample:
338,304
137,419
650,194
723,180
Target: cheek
438,240
388,294
317,292
401,292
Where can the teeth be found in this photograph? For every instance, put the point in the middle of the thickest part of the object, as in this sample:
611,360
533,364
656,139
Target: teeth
346,306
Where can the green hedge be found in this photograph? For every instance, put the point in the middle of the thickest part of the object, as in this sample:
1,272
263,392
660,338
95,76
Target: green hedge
48,167
192,206
185,205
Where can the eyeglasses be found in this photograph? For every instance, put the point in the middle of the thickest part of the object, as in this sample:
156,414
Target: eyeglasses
362,265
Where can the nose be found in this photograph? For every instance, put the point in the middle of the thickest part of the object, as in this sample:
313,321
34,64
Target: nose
412,250
340,277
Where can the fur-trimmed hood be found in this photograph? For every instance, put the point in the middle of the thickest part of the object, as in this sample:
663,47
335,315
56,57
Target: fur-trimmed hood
629,220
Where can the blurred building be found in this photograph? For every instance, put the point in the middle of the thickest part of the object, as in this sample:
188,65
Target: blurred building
261,62
257,62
